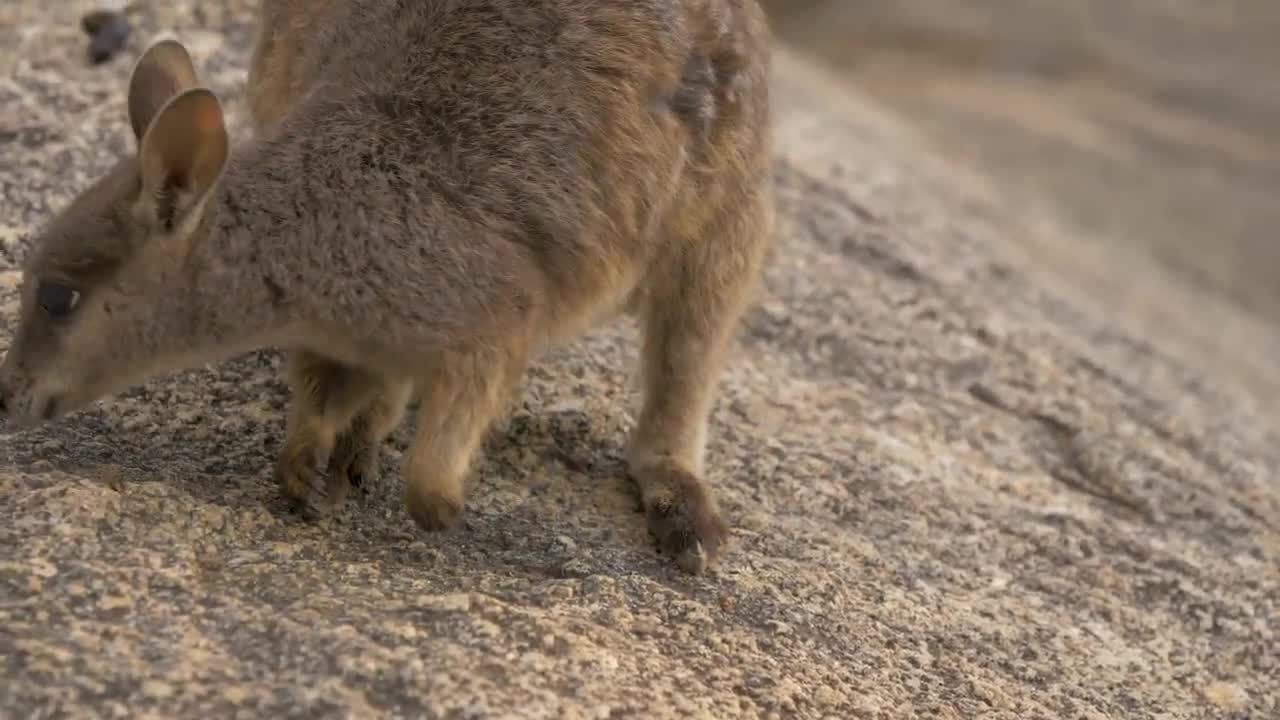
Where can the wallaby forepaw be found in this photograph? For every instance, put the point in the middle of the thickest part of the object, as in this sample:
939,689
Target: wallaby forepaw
682,517
309,490
355,462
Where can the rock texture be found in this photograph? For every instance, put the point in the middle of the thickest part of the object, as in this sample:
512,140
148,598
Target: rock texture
956,490
1065,103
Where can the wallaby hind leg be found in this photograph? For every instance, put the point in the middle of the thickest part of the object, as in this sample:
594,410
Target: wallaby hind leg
693,306
460,396
325,399
357,451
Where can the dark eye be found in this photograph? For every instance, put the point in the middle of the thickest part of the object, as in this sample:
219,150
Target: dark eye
57,300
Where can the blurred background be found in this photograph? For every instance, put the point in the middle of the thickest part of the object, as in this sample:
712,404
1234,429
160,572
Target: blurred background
1151,126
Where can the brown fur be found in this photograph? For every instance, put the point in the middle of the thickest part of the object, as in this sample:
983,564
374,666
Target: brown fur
435,193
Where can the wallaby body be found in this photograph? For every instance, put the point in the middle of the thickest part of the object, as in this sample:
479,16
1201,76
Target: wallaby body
435,192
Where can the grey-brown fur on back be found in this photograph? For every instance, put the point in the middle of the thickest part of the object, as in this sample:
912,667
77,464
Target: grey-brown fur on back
556,137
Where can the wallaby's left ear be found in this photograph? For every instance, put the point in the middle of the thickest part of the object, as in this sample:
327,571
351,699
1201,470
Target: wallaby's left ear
183,153
162,72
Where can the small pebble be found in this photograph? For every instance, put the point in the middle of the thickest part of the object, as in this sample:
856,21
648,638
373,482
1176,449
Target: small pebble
778,627
575,568
562,592
755,521
114,479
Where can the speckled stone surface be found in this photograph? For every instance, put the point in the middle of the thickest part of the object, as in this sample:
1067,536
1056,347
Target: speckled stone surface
954,493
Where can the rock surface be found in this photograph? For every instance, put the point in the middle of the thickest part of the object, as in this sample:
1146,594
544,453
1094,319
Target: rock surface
1137,123
956,489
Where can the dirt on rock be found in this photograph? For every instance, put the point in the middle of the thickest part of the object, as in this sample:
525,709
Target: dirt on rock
957,488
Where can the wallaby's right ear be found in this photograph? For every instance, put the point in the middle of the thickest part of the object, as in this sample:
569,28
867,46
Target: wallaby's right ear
182,154
162,72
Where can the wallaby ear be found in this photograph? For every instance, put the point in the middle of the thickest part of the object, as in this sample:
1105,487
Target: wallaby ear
183,153
162,72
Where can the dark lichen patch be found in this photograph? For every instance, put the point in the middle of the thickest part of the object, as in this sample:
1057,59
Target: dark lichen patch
108,32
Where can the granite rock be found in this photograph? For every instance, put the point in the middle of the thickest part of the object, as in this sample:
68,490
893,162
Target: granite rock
956,490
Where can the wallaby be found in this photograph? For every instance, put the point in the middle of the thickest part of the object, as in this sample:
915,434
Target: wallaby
434,193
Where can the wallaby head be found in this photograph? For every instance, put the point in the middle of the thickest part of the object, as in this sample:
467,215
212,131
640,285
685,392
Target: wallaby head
95,277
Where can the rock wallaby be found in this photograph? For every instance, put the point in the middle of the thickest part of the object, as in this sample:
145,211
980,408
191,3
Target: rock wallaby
434,192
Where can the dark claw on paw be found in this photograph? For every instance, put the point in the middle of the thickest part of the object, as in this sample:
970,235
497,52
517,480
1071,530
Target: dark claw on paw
683,518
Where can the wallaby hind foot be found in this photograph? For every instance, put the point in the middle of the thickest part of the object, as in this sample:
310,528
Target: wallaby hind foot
694,301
